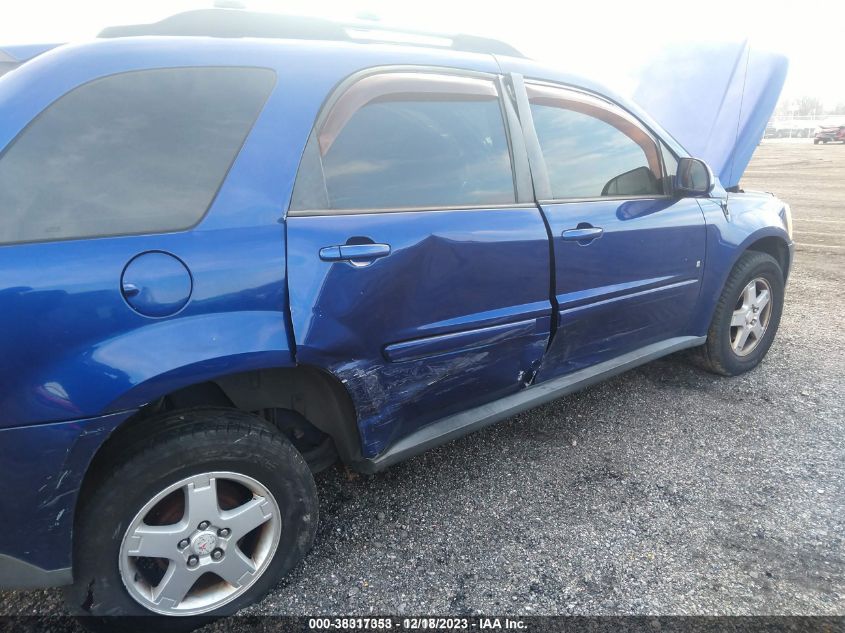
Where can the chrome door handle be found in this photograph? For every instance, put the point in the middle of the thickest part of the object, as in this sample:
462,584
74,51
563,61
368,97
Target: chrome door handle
363,253
583,235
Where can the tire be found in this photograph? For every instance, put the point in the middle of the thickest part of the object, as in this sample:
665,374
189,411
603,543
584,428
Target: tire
254,473
815,141
719,354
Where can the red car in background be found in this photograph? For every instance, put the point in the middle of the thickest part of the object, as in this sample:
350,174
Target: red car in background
834,134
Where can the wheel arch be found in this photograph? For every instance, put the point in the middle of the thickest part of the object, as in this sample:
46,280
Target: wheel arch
726,246
775,246
316,395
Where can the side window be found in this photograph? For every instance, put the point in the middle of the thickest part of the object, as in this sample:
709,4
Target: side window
139,152
411,140
593,149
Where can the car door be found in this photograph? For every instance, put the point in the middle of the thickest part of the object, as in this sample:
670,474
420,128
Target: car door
418,263
628,255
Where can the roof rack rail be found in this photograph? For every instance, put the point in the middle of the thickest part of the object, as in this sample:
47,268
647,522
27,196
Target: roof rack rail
239,23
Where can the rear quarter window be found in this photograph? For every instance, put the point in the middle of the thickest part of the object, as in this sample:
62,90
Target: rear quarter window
139,152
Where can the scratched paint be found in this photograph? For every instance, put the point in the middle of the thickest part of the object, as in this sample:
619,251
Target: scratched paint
64,451
392,400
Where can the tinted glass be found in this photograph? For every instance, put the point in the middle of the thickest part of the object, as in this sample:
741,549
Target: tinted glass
420,152
132,153
587,157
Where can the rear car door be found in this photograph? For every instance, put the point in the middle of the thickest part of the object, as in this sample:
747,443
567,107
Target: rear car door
416,273
628,255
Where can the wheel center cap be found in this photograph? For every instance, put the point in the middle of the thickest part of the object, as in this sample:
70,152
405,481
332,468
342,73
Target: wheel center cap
203,543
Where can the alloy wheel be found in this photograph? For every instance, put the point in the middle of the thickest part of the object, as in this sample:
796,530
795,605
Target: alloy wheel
200,543
751,316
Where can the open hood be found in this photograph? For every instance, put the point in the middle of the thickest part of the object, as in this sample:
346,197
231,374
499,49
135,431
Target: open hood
715,99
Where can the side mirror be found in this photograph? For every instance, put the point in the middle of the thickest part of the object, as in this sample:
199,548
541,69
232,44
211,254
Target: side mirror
694,178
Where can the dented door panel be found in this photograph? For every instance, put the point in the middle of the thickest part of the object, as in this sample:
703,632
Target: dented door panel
458,314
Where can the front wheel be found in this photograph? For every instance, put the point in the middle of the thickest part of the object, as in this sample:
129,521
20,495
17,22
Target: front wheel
746,317
199,519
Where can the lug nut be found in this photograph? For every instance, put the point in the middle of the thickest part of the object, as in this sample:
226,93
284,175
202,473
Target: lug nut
224,532
217,554
193,561
183,543
203,525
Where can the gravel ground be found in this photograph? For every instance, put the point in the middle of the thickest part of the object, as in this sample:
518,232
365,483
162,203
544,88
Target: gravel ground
663,491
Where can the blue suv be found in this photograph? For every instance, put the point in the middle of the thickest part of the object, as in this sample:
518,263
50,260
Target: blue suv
228,262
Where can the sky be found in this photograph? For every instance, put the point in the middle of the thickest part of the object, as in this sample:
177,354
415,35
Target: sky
606,40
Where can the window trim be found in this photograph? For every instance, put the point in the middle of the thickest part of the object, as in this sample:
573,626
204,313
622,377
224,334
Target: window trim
538,81
362,94
297,213
217,190
520,173
599,101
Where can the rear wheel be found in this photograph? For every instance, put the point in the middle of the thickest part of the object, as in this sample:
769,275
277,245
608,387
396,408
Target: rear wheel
746,317
199,520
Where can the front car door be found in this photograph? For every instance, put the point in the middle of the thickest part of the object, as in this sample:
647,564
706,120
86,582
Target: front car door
418,265
628,256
